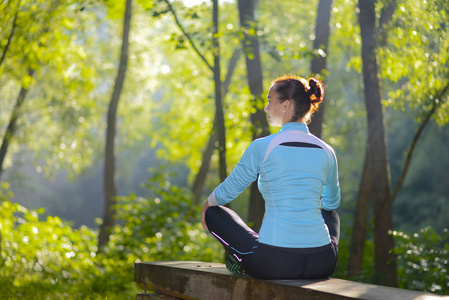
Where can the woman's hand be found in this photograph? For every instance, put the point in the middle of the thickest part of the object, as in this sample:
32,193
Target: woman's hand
203,215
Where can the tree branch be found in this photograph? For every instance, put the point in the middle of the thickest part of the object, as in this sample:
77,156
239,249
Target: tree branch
415,140
12,125
385,17
14,25
188,36
231,67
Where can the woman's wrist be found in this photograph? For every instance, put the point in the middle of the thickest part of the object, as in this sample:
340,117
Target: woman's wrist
211,199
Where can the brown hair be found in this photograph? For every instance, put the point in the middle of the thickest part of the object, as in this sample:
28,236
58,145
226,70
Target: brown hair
305,93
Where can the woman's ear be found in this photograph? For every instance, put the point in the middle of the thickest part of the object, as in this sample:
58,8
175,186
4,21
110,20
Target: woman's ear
287,105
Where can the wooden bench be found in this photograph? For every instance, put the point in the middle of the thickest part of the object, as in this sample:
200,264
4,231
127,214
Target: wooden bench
211,281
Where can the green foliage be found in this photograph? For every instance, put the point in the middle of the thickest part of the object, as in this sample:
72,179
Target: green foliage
416,58
423,260
50,37
48,259
44,259
5,193
182,112
163,226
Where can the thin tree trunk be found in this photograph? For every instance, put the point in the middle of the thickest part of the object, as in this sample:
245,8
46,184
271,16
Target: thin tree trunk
360,224
412,147
11,129
219,116
11,34
200,179
259,122
219,125
322,29
110,186
385,263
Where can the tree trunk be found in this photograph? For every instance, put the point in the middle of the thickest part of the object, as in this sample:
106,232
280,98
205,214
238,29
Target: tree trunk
360,221
200,179
259,121
318,67
385,263
110,187
363,199
11,129
219,116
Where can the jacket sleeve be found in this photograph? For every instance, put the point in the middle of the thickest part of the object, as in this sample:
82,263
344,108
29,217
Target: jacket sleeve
244,173
331,192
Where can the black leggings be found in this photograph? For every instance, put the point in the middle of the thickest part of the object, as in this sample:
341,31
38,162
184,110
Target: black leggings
271,262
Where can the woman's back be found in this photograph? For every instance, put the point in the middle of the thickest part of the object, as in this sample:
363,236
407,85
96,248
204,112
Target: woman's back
292,175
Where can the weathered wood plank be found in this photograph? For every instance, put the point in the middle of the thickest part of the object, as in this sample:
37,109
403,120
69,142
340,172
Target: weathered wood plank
199,280
153,296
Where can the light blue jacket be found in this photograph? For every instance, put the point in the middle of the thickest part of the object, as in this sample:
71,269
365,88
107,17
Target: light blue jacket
297,174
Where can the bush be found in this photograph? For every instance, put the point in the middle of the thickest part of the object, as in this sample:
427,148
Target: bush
423,260
48,259
163,226
44,259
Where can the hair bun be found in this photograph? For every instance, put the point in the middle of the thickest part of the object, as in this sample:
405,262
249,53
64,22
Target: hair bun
315,91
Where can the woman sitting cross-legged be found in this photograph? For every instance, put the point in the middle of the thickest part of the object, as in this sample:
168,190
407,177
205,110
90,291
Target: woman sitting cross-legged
298,178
